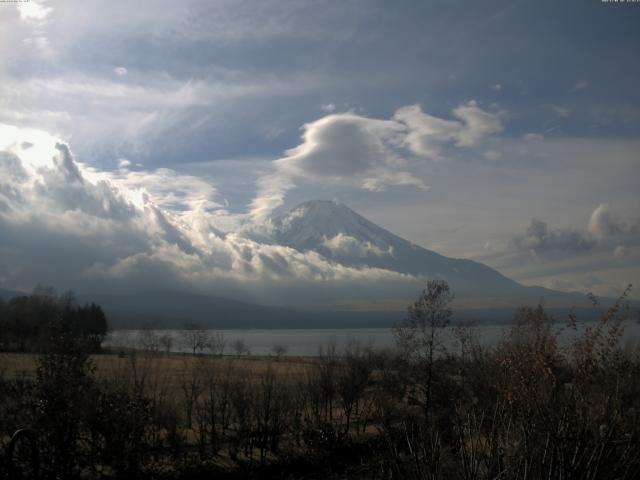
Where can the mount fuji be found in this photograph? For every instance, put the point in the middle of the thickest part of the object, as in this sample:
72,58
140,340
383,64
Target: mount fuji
343,236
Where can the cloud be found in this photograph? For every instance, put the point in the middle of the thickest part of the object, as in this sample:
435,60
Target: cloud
540,239
604,232
428,135
342,145
373,154
531,137
621,252
124,164
346,148
346,245
33,10
562,112
153,116
120,71
492,155
477,124
580,85
64,223
174,192
384,179
603,224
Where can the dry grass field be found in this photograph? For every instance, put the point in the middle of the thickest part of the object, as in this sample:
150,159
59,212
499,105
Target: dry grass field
166,370
15,365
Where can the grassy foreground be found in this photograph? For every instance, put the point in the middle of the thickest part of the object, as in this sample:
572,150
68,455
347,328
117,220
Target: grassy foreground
527,408
170,368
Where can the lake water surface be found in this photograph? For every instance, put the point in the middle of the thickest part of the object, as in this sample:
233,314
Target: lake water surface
302,342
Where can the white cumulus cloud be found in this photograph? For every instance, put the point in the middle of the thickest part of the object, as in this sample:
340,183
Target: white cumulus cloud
372,153
342,244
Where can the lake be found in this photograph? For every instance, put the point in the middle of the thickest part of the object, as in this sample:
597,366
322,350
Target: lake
303,342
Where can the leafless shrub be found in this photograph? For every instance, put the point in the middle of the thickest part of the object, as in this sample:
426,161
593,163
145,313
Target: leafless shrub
240,347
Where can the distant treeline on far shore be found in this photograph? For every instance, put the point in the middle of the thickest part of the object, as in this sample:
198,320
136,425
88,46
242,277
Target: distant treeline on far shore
28,322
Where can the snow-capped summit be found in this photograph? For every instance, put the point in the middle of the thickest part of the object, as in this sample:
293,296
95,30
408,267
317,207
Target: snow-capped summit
322,224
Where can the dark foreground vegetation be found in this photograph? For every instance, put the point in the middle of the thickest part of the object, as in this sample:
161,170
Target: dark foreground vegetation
524,409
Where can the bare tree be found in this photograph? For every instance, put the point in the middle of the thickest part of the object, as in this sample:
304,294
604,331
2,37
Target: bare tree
166,341
240,347
217,344
352,381
191,385
279,350
419,335
148,340
195,338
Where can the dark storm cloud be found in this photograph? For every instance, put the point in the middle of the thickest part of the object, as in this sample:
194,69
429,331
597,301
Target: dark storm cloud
604,231
541,239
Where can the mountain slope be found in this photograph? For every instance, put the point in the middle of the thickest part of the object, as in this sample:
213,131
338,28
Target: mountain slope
341,235
9,294
173,309
176,309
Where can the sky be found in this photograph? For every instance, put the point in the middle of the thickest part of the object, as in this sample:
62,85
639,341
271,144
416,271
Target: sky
148,143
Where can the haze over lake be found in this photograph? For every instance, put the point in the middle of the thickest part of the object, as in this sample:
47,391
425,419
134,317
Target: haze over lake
307,342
